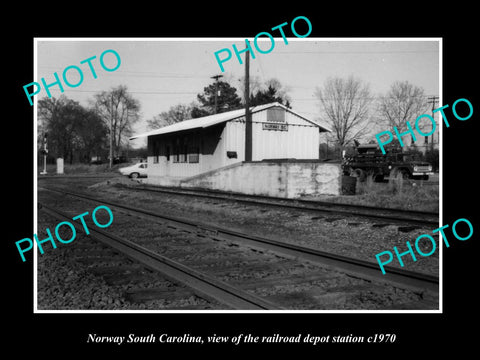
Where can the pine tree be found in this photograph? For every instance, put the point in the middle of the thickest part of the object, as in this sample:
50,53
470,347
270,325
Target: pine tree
268,96
227,100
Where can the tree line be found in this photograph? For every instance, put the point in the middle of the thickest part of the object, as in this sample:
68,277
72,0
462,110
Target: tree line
101,129
77,133
353,112
346,105
220,97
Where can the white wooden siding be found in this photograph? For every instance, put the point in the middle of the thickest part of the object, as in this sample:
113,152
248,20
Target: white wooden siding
301,141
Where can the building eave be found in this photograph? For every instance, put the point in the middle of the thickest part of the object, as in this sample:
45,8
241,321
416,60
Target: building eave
211,120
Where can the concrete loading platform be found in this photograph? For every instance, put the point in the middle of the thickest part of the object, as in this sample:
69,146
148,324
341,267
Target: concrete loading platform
288,179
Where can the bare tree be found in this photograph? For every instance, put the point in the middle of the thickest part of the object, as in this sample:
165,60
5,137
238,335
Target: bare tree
257,87
403,103
345,105
175,114
120,111
281,90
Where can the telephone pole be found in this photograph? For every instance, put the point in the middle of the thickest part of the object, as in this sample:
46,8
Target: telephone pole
248,116
45,153
433,100
216,77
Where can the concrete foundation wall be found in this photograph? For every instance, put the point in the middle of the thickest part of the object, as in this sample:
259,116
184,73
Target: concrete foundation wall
279,179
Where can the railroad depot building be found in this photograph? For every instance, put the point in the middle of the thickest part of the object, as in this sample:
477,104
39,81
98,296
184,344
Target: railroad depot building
209,152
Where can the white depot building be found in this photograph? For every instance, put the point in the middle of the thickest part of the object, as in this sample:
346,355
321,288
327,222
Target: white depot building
209,152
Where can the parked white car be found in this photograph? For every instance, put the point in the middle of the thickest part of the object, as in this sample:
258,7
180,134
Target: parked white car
134,171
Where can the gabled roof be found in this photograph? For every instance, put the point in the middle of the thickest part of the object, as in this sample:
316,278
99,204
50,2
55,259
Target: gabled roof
215,119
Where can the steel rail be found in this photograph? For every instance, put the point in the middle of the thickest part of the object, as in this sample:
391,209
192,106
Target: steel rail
201,283
418,282
423,218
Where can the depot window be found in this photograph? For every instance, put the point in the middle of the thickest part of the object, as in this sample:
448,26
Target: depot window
176,155
176,151
194,155
180,150
156,151
185,150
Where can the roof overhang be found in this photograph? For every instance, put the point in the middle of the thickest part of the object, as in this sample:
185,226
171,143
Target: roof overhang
211,120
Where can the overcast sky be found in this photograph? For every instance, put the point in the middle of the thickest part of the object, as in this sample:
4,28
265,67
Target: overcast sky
161,73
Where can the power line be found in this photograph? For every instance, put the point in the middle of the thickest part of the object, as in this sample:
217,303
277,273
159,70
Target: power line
428,97
137,92
137,73
359,52
261,69
364,98
433,100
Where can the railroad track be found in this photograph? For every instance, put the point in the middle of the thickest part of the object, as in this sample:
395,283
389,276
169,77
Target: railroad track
202,284
413,281
78,176
117,282
384,215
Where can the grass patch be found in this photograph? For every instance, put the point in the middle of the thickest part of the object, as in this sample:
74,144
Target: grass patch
397,193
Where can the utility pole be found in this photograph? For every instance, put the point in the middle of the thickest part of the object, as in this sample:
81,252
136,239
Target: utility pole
248,116
110,162
216,77
433,100
45,153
